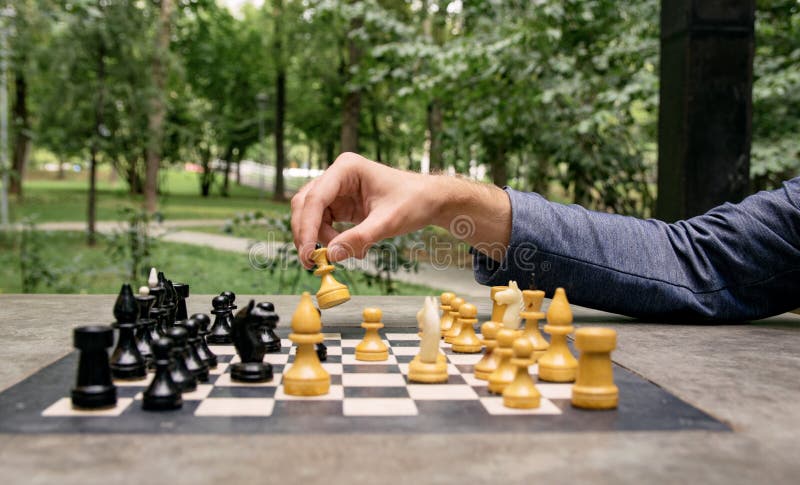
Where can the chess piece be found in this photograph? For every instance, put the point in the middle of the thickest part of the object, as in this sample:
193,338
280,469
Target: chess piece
271,341
506,371
93,388
170,300
446,322
183,377
246,332
557,363
429,365
157,312
455,328
126,360
532,300
220,331
511,301
306,376
162,394
205,353
490,360
145,326
152,279
498,309
194,362
182,290
322,351
466,342
331,292
231,297
372,348
594,386
522,392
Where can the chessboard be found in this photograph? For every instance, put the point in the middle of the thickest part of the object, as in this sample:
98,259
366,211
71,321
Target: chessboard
364,397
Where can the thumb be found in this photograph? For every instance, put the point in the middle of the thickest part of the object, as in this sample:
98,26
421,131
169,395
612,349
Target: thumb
356,241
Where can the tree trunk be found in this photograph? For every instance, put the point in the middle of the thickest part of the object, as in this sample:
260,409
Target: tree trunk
352,99
376,131
498,164
91,212
22,139
158,109
228,161
435,135
280,101
61,163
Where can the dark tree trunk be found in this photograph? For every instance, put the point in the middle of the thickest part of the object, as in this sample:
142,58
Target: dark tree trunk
280,103
22,139
61,163
352,100
225,180
207,177
376,131
435,135
498,163
91,213
158,109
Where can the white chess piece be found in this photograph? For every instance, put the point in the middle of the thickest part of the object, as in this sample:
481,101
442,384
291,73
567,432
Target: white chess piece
512,298
152,280
428,320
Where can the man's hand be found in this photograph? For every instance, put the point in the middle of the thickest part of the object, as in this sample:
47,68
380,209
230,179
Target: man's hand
385,202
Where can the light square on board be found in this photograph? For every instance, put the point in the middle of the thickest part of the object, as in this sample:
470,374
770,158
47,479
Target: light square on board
402,336
223,349
495,407
235,406
441,392
464,359
336,393
63,408
373,380
350,359
555,391
379,407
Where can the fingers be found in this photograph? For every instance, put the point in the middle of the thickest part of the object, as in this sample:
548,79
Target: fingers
356,241
298,203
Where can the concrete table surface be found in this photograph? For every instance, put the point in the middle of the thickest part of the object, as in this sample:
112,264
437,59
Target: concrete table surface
746,375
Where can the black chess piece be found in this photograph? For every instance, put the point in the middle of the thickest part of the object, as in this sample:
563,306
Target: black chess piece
158,313
271,341
182,290
194,362
248,326
163,393
94,388
171,303
126,360
183,377
145,329
322,351
231,296
220,332
203,351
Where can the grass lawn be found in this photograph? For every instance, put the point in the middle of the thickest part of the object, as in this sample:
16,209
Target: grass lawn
81,269
50,200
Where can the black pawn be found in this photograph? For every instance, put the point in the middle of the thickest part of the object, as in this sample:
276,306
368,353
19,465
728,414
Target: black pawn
194,362
271,341
322,352
182,290
145,329
126,360
183,377
94,388
220,332
203,351
163,393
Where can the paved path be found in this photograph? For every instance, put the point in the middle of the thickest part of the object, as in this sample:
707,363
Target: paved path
452,278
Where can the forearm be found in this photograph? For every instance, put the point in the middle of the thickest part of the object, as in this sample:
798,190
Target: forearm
737,262
478,214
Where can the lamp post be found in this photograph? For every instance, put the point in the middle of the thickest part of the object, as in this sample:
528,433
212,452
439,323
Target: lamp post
261,101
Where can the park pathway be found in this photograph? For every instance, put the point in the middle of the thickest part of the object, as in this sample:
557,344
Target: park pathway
452,278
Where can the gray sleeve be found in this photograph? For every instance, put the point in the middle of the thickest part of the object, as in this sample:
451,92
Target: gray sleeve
736,262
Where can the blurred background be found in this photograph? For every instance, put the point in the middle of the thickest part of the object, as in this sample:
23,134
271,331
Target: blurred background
173,132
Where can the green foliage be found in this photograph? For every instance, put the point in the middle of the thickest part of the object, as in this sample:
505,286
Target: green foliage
133,244
34,267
